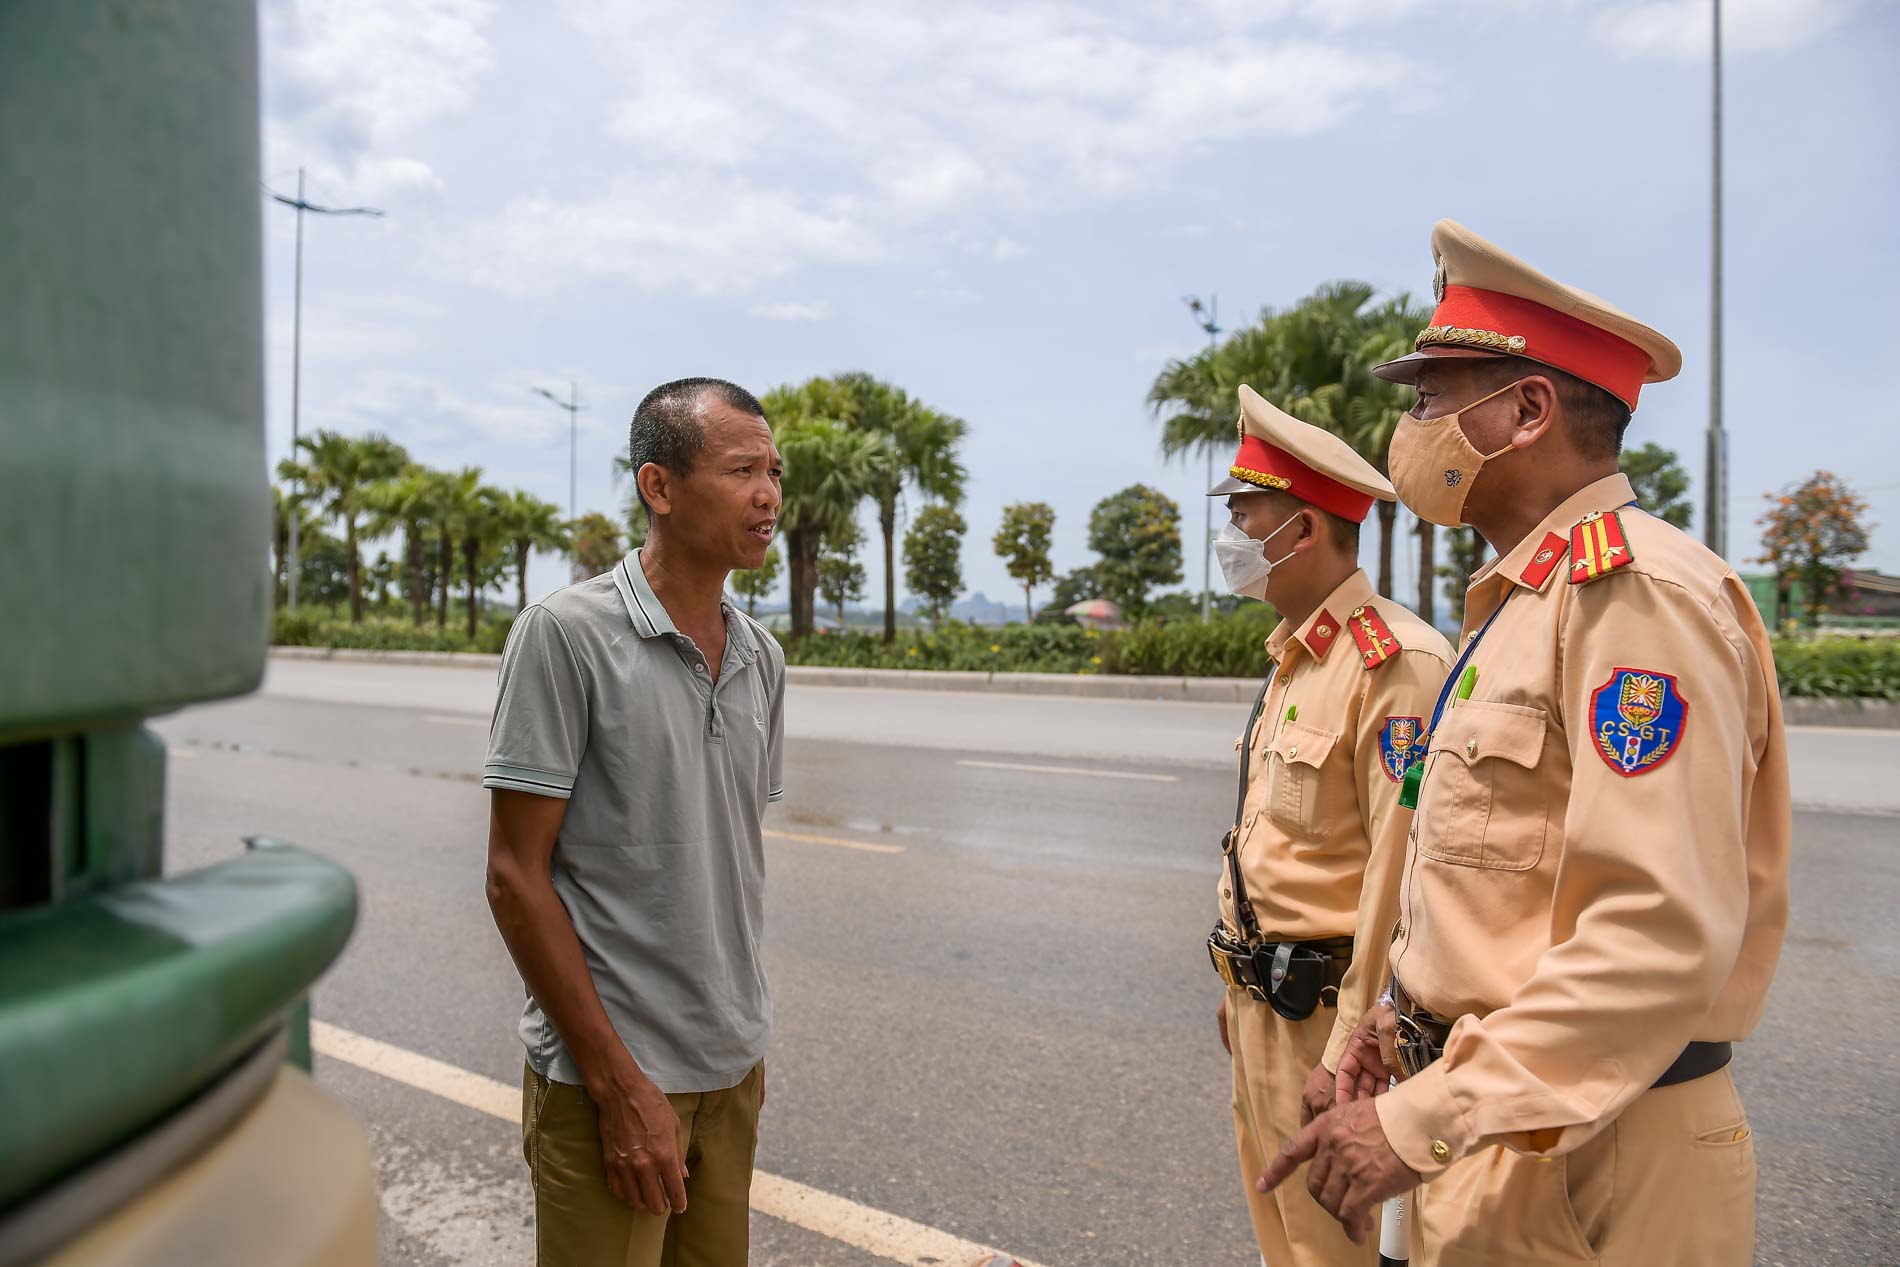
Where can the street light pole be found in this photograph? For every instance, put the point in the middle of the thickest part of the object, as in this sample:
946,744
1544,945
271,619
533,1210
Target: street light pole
296,345
573,406
1208,322
1715,477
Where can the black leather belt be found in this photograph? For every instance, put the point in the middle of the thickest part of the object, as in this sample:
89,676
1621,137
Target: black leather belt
1248,966
1422,1038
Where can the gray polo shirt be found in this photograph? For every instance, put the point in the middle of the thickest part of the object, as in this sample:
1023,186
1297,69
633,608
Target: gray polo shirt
659,860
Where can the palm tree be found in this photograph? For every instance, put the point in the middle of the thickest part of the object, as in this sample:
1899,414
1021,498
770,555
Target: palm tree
285,506
829,469
407,502
527,523
478,525
339,472
452,498
923,454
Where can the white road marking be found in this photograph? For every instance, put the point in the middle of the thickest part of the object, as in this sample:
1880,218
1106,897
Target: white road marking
449,719
888,1236
183,754
833,841
1061,769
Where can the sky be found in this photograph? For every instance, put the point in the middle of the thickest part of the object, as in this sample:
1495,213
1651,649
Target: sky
1000,207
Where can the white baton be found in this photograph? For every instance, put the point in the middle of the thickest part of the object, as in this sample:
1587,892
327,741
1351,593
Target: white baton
1393,1245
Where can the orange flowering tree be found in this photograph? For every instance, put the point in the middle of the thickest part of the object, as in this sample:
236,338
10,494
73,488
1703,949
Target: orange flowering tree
1810,531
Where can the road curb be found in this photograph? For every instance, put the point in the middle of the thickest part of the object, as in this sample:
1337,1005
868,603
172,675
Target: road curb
1862,714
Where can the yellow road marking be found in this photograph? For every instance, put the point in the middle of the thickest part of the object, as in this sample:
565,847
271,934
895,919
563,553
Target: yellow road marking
889,1236
1060,769
833,841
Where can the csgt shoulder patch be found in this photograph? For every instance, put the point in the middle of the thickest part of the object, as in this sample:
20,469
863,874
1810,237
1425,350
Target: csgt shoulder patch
1637,720
1398,746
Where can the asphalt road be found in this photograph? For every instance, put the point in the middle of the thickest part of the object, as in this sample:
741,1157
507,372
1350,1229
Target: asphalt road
1003,1029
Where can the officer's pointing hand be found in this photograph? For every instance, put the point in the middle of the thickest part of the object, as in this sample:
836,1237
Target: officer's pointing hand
1353,1169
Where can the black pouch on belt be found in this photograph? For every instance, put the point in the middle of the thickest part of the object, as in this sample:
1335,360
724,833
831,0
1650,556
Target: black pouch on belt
1294,976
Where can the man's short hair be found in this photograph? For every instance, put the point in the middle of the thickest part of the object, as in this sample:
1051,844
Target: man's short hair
1595,419
1344,532
668,429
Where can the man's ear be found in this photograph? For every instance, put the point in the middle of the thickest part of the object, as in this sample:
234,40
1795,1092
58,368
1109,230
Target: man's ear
1536,410
1308,535
656,486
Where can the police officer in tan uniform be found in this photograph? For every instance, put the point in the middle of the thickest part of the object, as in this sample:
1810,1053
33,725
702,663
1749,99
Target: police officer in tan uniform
1310,885
1596,884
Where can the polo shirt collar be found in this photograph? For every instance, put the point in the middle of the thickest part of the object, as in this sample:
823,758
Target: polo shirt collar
650,618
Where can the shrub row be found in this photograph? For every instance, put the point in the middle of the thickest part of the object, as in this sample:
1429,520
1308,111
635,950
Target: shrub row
1228,646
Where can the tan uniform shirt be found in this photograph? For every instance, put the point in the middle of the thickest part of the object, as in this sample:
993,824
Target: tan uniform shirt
1321,833
1598,871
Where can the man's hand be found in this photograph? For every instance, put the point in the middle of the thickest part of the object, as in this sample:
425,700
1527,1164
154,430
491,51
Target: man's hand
1353,1169
1220,1017
641,1144
1317,1097
1371,1058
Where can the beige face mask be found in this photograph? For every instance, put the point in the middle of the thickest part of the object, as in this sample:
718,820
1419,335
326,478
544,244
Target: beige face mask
1433,464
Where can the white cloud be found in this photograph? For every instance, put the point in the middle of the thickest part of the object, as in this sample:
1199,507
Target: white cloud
788,136
1682,28
348,84
789,311
703,234
426,413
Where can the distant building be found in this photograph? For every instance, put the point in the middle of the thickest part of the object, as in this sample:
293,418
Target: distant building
1867,599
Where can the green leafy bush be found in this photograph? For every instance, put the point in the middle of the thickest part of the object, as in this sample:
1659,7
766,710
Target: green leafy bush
1839,668
1226,646
311,628
1009,649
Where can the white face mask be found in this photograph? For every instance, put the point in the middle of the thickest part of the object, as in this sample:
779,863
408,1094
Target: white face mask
1244,564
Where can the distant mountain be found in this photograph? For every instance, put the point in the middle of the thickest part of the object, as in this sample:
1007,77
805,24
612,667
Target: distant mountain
974,609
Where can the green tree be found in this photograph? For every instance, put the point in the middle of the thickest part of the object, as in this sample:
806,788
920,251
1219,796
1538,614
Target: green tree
1810,532
923,446
339,471
1313,360
323,570
1662,486
933,558
598,542
382,574
528,523
406,501
840,575
1077,585
758,582
1137,533
285,505
1022,542
829,469
1464,555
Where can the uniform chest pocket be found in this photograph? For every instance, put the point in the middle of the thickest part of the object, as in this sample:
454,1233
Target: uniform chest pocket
1295,760
1484,803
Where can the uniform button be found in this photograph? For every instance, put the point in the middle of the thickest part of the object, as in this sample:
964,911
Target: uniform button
1226,893
1294,751
1398,930
1357,612
1471,746
1441,1151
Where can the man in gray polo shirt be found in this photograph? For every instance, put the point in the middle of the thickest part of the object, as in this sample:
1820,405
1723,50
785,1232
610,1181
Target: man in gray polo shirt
637,739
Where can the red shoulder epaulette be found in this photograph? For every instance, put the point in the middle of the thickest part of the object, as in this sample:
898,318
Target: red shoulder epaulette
1376,643
1598,546
1550,553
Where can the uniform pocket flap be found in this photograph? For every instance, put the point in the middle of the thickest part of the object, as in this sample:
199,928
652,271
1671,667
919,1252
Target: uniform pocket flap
1300,744
1476,729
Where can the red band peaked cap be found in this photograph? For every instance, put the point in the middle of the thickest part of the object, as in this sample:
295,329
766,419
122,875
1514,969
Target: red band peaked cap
1590,352
1268,466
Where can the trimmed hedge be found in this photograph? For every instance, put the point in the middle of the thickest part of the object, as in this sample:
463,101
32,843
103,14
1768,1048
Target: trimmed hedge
1839,668
310,628
1229,646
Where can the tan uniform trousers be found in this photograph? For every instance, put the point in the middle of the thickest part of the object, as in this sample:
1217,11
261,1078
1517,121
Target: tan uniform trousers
579,1222
1272,1057
1670,1182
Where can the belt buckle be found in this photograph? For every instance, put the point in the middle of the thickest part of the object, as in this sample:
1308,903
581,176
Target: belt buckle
1415,1051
